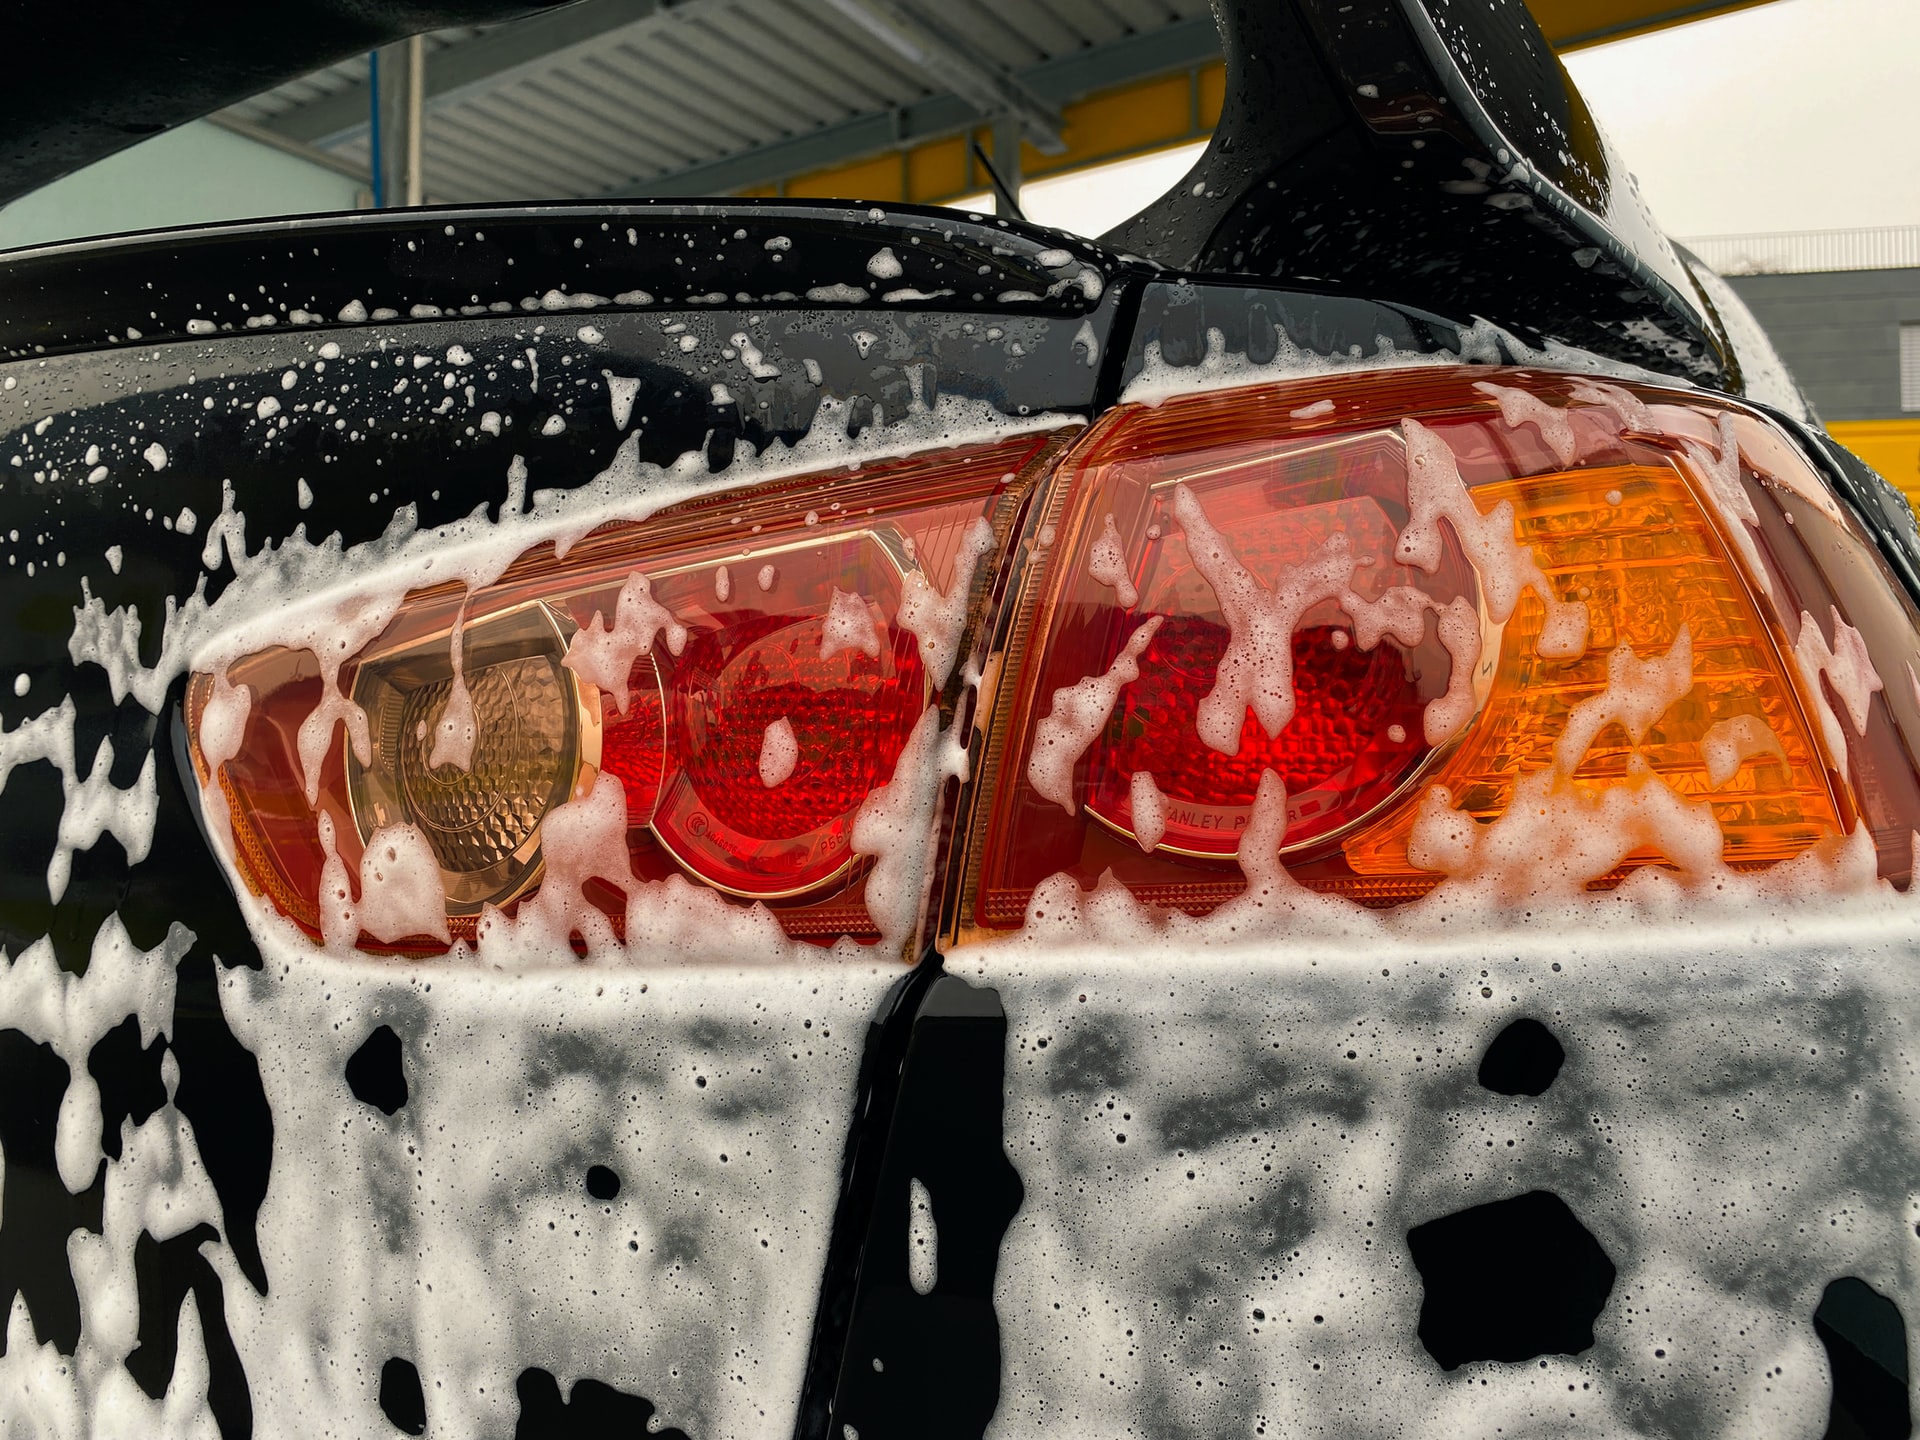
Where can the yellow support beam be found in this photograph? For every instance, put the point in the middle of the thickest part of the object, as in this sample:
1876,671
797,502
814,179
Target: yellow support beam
1168,110
1571,24
1133,120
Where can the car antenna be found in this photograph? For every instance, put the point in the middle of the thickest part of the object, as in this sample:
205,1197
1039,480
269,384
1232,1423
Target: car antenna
1008,205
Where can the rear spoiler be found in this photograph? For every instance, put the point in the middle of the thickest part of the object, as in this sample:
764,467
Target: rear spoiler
1434,152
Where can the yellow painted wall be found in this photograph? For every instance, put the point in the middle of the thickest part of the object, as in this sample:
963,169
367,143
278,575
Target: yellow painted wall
1890,446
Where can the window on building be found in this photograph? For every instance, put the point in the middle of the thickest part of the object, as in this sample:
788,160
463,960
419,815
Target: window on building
1910,367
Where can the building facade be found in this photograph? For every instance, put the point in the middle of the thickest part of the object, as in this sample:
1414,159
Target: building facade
1849,332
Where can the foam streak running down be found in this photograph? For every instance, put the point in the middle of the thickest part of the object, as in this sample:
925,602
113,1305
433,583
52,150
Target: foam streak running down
1107,563
454,735
1435,492
1078,712
1257,669
779,753
605,657
849,627
939,619
1847,668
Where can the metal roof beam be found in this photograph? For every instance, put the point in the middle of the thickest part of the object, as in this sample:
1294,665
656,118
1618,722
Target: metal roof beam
1058,82
456,71
312,154
951,62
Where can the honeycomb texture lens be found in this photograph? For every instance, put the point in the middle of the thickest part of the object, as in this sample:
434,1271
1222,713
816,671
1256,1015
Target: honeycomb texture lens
476,818
1349,702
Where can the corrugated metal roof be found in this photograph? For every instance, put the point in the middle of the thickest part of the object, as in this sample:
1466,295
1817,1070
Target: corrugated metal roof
617,95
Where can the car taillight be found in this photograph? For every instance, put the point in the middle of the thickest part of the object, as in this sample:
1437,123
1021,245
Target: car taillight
1425,602
726,684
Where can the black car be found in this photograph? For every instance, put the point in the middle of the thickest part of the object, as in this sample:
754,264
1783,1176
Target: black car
727,818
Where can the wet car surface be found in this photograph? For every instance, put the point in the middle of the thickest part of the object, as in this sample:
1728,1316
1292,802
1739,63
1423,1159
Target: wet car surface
1557,1077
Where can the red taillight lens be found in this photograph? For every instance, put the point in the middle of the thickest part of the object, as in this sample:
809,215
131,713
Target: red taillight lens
1334,705
1420,599
772,695
1531,633
748,667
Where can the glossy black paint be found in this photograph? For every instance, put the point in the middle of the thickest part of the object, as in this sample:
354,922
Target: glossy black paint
887,1359
167,1273
591,1410
535,262
1866,1342
128,341
1184,321
37,1212
1509,1280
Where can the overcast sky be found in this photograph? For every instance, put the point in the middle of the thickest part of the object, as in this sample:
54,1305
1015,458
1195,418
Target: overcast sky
1795,115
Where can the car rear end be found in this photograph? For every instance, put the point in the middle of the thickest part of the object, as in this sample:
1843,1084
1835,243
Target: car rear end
754,818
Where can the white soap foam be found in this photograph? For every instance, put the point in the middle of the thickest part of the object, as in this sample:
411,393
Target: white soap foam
753,357
1435,491
285,593
1847,667
849,626
1148,808
457,729
1078,713
621,390
1238,1261
711,1260
401,893
1719,466
1107,565
222,727
458,1231
938,619
1731,743
923,1239
1638,693
581,841
895,826
71,1013
1483,342
605,657
1522,407
517,477
779,753
1256,670
93,806
1555,836
1630,412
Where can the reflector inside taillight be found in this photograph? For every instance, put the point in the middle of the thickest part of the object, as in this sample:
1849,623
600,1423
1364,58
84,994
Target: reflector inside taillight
748,668
1384,590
